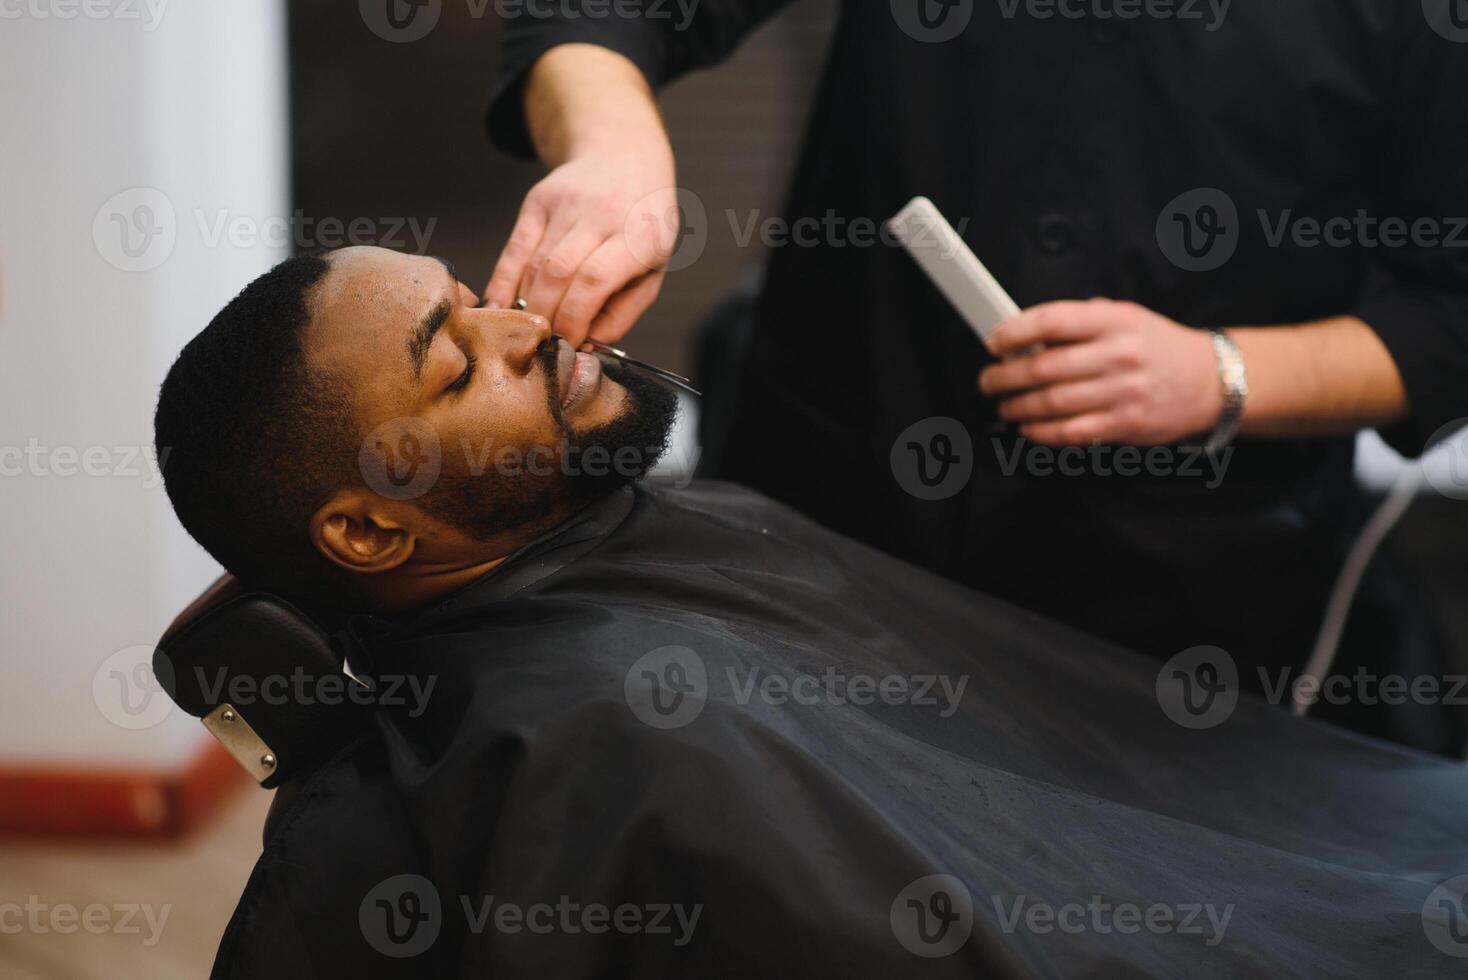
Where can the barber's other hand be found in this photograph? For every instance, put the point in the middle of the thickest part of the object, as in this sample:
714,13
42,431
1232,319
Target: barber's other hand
1111,372
591,244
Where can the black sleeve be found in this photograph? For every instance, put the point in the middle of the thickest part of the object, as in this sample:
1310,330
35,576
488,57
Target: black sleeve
1416,294
665,39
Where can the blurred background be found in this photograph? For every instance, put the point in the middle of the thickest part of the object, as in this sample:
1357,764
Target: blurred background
158,157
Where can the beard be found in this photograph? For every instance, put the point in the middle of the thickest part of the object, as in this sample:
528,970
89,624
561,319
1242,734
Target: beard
585,468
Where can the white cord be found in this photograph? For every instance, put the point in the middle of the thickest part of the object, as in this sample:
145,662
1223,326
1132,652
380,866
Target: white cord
1328,642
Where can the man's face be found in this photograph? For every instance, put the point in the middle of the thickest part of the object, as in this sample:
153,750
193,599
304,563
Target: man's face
488,403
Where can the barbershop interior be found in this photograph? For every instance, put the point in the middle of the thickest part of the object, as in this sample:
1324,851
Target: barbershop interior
734,488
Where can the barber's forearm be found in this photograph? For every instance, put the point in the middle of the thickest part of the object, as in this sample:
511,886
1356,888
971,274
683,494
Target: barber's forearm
582,99
1326,378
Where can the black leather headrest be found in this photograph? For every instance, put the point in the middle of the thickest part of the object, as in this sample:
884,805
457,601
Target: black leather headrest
267,678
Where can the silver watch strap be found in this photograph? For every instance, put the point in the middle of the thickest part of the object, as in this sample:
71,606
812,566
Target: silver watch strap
1234,377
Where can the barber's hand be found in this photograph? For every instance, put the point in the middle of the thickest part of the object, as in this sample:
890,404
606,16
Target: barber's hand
1110,372
590,247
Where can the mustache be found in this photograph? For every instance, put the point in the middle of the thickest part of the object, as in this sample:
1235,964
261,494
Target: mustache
548,357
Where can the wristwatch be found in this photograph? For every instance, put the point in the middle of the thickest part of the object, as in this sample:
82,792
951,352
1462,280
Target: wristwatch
1235,380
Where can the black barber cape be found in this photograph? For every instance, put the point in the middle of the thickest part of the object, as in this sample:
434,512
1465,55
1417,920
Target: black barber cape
1067,141
606,782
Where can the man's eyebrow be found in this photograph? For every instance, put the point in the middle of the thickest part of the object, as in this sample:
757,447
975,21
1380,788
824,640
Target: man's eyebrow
422,337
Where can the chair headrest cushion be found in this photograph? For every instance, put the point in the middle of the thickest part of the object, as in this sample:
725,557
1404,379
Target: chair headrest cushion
273,663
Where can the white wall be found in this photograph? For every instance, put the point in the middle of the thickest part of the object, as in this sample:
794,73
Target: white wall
180,105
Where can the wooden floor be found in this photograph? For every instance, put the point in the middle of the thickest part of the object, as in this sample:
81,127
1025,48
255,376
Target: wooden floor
194,882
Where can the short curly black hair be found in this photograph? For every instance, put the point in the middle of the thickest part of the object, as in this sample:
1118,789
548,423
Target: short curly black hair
256,440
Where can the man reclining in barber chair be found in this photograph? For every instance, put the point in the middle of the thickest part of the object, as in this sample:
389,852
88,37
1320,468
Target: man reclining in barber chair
604,728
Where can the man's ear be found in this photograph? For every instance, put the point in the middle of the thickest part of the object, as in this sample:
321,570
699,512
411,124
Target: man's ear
357,530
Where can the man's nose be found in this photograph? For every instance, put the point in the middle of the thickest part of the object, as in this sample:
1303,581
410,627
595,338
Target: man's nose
519,334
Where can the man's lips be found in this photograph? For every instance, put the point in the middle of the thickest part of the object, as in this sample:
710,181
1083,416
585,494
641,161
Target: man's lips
577,375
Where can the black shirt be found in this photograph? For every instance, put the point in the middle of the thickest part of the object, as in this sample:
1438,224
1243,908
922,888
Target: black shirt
1076,152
